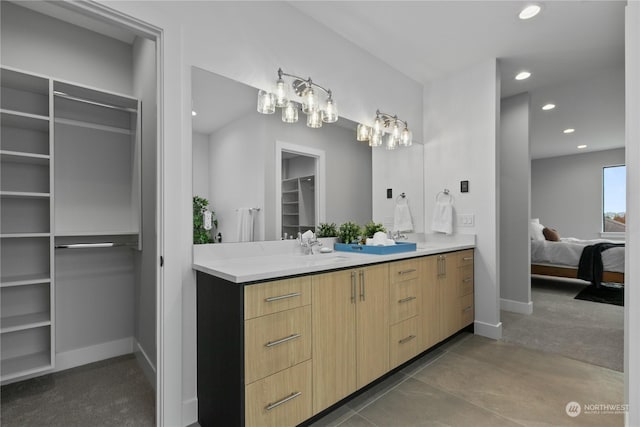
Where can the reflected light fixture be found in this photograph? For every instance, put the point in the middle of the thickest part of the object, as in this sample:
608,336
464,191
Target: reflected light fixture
529,12
523,75
398,133
308,94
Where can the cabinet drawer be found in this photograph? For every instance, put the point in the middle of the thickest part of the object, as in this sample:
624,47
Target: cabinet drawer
466,310
466,280
403,341
465,258
276,342
403,300
280,400
403,270
272,297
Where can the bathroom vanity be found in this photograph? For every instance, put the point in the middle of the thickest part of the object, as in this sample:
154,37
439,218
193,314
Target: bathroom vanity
283,337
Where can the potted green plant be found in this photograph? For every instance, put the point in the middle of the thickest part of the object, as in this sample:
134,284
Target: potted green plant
349,232
372,228
200,234
327,234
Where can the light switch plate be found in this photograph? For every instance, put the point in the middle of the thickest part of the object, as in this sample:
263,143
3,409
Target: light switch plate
466,220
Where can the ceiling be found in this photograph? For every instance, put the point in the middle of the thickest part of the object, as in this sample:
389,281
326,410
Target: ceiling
568,44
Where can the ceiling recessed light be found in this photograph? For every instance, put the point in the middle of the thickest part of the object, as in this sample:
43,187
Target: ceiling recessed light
523,75
193,113
547,107
570,130
529,11
582,146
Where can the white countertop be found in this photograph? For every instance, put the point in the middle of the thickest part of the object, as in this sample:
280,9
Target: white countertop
255,261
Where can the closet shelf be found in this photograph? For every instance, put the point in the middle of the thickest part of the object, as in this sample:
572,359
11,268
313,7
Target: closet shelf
22,235
24,321
18,119
96,233
25,365
27,279
25,194
95,126
24,157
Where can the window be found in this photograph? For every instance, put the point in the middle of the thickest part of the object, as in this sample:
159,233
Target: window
614,202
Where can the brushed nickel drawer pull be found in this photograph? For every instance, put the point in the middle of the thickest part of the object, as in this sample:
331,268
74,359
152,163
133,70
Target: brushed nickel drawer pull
282,340
353,287
411,270
467,280
467,258
407,299
273,405
407,339
362,286
466,309
294,294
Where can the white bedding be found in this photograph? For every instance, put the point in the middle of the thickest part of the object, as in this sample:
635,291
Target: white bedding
567,253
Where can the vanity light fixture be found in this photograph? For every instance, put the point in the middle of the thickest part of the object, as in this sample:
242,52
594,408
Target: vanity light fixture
307,92
548,107
398,131
529,12
569,130
523,75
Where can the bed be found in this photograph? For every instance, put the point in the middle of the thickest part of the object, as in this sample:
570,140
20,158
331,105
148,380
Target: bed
561,258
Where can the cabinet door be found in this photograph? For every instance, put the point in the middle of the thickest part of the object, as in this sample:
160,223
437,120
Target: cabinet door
428,288
372,324
333,299
449,295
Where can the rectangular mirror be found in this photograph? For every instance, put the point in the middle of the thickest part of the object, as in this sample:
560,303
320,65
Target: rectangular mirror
241,160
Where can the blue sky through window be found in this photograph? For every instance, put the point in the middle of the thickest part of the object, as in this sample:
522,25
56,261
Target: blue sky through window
614,189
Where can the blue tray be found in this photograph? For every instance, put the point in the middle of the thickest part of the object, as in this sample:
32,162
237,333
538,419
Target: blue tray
377,250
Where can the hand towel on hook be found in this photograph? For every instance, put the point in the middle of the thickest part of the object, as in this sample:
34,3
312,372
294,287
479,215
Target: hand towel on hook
245,225
402,217
442,220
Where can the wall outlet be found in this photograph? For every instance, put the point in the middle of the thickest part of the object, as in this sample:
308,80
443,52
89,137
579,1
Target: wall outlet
466,220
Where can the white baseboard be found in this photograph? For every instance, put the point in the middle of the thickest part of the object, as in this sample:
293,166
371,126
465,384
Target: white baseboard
147,365
488,330
516,306
82,356
189,411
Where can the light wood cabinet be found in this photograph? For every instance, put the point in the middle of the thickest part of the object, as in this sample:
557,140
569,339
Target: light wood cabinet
350,332
428,285
455,283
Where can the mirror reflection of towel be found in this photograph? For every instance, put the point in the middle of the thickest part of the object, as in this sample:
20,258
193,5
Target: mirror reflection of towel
442,220
245,225
402,218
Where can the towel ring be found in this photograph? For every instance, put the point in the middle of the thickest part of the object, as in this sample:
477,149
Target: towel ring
445,193
402,196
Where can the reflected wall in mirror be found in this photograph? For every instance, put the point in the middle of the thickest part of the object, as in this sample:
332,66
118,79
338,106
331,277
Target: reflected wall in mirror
237,161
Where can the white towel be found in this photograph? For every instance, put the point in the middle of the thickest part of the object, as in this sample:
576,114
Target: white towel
442,220
245,225
402,218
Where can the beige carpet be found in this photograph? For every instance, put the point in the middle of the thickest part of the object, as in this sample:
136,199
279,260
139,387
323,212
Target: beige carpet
584,330
113,392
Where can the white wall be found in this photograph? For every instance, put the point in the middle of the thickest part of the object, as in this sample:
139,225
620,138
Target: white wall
200,165
41,44
461,117
515,199
144,88
632,253
566,192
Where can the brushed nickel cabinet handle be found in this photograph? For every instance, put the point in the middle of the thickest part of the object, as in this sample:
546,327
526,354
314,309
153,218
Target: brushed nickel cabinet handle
467,309
353,287
362,285
407,339
467,280
285,400
467,258
279,297
407,299
282,340
411,270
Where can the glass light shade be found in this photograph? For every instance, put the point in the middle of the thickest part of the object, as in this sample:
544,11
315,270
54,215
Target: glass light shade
280,93
309,101
331,112
290,113
396,130
363,132
378,125
406,137
392,143
314,119
376,139
266,102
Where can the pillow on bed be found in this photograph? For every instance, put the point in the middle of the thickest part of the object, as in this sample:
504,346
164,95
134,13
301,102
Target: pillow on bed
535,230
551,234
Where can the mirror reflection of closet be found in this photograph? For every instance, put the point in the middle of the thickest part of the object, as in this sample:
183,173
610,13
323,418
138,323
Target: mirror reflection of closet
298,194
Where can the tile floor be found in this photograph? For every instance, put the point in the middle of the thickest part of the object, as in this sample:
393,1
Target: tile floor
475,381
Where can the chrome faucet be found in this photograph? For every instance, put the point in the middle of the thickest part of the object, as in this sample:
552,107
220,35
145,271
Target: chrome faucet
397,235
308,244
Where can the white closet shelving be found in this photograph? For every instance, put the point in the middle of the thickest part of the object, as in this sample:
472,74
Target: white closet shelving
26,281
298,205
70,158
